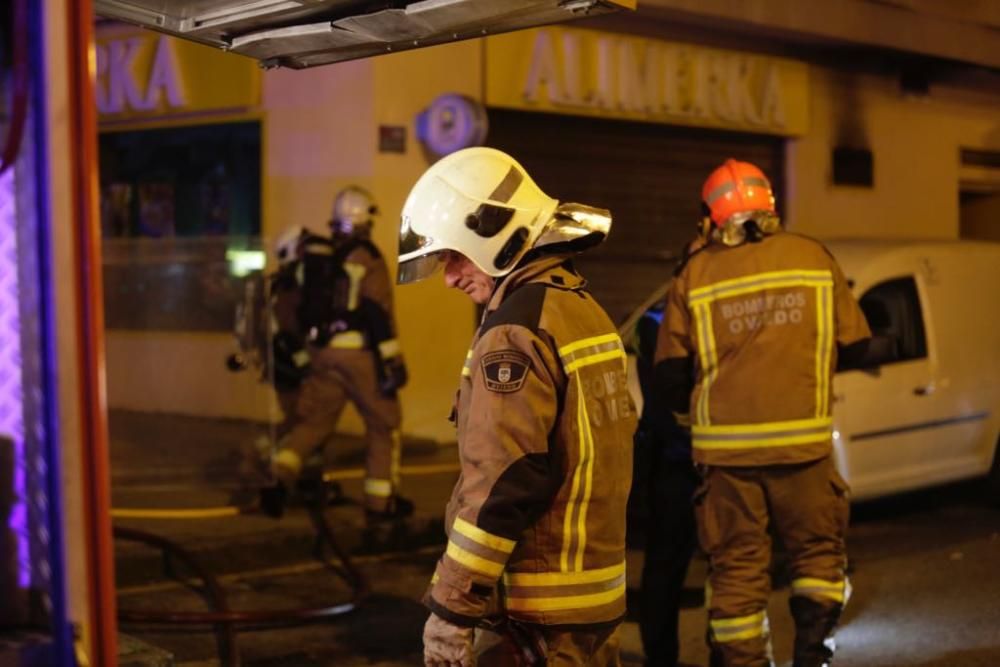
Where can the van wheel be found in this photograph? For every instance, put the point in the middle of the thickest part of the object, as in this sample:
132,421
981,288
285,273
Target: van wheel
993,480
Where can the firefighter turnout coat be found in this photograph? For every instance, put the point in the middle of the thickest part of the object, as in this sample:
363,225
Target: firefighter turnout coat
536,521
760,323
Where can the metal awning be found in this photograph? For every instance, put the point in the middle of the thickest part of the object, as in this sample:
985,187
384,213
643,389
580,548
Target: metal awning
306,33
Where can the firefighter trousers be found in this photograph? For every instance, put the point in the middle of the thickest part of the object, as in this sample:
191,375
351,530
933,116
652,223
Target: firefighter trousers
806,506
337,376
670,543
561,647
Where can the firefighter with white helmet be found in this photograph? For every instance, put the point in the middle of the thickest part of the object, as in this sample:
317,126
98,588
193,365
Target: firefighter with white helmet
752,330
536,522
342,305
354,211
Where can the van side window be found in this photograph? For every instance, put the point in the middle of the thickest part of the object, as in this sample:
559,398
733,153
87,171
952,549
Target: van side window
892,309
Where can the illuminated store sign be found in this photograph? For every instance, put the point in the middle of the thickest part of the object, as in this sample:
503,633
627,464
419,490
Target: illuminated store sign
146,74
585,72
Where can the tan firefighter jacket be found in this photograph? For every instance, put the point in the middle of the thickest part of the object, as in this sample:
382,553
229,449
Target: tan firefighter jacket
761,322
545,425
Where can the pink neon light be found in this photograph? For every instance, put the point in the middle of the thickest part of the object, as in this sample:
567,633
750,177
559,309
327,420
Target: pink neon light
11,396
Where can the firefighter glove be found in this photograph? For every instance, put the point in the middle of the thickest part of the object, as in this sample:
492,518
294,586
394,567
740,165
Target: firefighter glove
447,644
392,375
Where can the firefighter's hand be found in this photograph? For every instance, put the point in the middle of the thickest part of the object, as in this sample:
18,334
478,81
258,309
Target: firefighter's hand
393,375
446,644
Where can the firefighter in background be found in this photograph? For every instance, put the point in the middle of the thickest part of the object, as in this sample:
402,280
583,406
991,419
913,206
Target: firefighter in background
536,522
267,333
750,338
289,357
664,481
343,308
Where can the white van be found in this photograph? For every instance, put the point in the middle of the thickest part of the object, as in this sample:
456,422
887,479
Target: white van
931,414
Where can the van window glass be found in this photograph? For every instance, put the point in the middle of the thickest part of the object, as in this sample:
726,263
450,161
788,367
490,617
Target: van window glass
892,309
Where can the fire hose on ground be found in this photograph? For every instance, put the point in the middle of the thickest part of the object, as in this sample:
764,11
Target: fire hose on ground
225,620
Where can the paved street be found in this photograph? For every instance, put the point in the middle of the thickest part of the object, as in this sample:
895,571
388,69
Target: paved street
925,566
926,594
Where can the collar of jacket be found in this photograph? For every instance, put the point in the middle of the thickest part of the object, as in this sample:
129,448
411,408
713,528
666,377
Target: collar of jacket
550,270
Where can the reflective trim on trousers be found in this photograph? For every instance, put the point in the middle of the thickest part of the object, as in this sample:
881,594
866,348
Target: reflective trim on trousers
739,627
381,488
838,591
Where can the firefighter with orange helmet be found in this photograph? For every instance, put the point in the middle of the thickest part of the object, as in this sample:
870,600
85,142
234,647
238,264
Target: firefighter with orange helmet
752,330
341,302
536,522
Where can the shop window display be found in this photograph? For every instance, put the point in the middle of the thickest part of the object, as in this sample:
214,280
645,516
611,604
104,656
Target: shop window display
176,204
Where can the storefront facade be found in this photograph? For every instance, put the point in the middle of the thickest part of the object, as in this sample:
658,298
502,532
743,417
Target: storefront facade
631,123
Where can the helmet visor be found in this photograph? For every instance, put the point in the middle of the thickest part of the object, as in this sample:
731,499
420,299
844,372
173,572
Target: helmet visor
418,268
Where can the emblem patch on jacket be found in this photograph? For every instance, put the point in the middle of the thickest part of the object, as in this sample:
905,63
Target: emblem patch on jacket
504,371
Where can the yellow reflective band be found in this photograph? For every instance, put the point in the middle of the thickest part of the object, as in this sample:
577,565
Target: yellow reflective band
378,487
394,464
760,287
289,459
765,427
587,342
588,482
834,590
614,343
466,369
301,358
565,602
824,347
347,340
528,579
594,359
473,562
355,273
480,536
580,490
759,282
750,443
388,348
706,355
741,627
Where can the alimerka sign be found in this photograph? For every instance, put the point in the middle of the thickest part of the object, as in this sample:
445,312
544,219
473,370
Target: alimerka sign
144,74
585,72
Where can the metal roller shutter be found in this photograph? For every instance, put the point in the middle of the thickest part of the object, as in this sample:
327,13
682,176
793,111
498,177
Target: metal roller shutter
648,175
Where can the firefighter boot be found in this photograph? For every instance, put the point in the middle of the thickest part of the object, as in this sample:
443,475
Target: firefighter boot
273,499
397,508
739,653
814,624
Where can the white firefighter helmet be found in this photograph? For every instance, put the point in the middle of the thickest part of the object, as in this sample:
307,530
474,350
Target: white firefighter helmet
481,203
353,212
288,244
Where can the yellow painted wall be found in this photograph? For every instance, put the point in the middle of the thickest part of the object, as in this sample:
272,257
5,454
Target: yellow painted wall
915,143
436,324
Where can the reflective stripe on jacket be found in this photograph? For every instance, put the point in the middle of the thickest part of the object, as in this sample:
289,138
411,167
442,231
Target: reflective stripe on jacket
545,426
762,322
